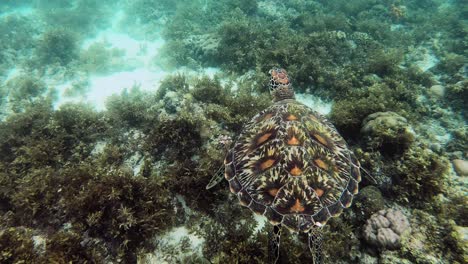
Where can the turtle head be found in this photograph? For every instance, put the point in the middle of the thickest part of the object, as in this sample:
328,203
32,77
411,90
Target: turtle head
280,86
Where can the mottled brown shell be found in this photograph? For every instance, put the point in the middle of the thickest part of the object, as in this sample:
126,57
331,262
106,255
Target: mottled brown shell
292,166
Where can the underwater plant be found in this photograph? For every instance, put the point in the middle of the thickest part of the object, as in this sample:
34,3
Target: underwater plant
23,90
17,33
101,59
16,245
419,174
83,17
57,46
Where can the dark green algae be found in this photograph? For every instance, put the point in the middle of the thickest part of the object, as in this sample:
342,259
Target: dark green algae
56,184
65,176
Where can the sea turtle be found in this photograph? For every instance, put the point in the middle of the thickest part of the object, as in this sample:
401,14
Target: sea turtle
291,165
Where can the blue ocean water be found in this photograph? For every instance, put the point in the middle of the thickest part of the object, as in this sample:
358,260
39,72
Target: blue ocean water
116,114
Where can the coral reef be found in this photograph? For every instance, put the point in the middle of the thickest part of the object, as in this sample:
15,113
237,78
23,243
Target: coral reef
388,132
78,185
385,228
381,96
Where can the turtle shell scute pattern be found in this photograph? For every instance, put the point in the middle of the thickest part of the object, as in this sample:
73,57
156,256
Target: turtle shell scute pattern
291,165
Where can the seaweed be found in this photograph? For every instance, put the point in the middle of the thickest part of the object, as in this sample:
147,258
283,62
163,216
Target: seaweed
241,242
23,90
123,210
67,246
119,209
53,178
179,136
173,83
70,16
16,245
340,240
40,137
19,129
150,10
17,37
431,239
457,242
451,63
419,175
209,90
348,114
101,59
56,46
131,108
236,51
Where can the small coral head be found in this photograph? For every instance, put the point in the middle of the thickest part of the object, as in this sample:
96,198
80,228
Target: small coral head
280,86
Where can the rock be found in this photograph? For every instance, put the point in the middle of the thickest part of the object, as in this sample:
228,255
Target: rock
460,166
382,119
437,90
387,131
368,202
385,228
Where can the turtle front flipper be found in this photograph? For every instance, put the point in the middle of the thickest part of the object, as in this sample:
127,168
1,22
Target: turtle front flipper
315,244
274,238
225,171
217,178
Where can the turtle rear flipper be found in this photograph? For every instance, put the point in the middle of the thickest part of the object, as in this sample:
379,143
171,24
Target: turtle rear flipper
315,244
274,239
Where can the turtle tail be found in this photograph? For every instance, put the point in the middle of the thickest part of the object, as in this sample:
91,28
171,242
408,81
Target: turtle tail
315,244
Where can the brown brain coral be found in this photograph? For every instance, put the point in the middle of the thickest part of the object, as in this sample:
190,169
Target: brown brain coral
385,228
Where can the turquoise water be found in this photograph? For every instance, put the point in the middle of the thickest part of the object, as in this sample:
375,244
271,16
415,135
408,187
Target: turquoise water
114,116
